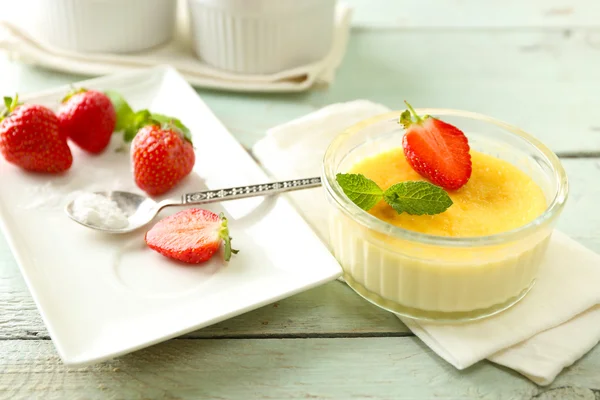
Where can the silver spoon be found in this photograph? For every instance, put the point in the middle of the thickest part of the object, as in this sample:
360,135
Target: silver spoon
141,210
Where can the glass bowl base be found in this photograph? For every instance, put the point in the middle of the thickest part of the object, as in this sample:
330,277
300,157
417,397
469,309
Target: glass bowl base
428,315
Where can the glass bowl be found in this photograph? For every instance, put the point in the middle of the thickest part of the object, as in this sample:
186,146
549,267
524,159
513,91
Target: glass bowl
431,277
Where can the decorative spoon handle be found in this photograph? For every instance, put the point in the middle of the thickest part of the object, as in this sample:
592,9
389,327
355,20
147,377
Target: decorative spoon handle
241,192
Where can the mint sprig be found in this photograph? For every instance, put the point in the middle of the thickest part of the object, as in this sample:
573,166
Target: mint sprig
411,197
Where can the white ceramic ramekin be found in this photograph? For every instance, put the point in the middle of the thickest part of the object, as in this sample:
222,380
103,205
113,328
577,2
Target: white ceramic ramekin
104,26
436,277
261,36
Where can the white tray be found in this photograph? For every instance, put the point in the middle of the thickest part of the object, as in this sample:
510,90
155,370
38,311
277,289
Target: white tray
102,296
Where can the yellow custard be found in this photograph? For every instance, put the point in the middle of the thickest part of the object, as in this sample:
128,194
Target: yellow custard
498,197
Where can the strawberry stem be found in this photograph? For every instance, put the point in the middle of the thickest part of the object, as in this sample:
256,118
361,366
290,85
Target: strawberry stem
10,104
224,234
413,112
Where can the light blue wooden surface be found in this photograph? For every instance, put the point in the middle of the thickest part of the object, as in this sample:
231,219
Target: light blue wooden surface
535,65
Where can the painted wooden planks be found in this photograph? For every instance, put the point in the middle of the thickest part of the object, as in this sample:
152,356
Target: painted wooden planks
543,82
469,14
357,368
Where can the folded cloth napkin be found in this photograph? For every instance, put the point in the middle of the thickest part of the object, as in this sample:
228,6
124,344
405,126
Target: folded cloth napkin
551,328
15,40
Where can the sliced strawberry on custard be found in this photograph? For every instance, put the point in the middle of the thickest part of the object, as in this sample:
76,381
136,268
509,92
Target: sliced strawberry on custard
436,150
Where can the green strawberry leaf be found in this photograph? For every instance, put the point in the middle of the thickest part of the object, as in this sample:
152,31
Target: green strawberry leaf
137,121
130,122
410,116
124,111
406,118
224,234
11,103
129,133
417,198
165,119
360,190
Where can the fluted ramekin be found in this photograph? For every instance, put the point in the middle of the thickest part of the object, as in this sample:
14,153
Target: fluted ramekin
261,36
103,26
433,277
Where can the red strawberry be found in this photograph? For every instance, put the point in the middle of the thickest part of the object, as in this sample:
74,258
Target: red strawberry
192,236
30,138
437,150
161,158
88,118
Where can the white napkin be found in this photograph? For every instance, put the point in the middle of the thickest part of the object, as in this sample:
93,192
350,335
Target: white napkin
556,323
15,40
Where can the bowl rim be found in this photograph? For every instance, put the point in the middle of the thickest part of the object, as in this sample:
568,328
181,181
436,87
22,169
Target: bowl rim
357,214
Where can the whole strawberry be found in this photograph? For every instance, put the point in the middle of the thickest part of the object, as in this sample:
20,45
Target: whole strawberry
436,150
161,156
30,138
88,118
192,236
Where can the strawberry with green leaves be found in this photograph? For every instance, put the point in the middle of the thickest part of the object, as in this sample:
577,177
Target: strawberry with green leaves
436,150
192,236
30,138
88,118
162,154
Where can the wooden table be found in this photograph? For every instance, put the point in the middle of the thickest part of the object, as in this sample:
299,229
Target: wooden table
536,65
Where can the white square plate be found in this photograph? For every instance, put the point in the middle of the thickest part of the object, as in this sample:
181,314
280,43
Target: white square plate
102,296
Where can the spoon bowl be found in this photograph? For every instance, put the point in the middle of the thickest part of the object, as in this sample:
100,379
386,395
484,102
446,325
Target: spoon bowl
139,210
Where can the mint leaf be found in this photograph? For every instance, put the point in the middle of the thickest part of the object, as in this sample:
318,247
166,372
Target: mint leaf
165,119
124,111
362,191
417,198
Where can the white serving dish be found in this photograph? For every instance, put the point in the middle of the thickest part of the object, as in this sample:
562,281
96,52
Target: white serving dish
102,295
101,26
261,36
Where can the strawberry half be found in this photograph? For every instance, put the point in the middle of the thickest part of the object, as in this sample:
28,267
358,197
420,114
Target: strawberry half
192,236
88,118
162,156
435,149
30,138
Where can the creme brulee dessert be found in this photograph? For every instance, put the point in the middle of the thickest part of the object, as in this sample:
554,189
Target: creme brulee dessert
446,232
